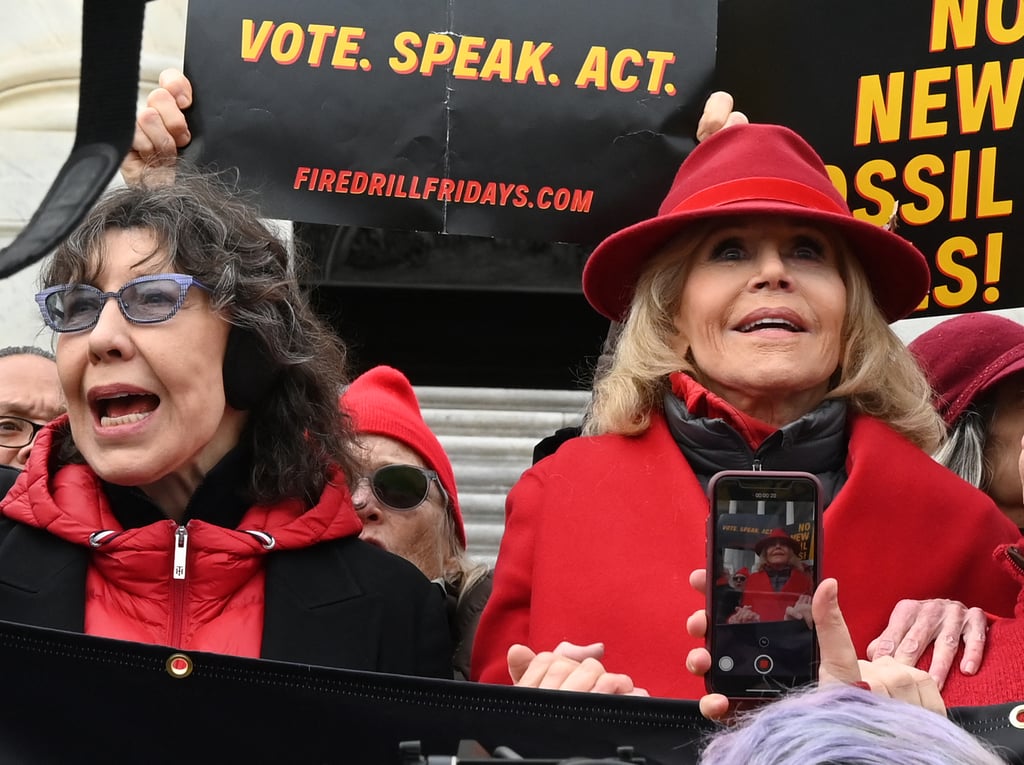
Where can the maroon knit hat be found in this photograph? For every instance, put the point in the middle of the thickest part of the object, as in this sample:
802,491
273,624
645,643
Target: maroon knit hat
751,170
966,356
382,402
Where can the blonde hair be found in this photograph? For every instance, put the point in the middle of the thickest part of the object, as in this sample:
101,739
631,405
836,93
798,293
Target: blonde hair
877,374
460,571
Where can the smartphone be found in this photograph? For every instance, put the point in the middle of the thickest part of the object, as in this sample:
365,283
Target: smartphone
764,561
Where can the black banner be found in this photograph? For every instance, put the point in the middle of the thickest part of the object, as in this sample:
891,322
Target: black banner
549,121
76,698
914,105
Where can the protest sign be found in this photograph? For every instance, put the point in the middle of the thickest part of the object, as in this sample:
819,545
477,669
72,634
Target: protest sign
913,106
548,121
742,531
78,698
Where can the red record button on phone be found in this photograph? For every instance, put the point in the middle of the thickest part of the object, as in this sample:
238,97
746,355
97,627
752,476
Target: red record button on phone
763,664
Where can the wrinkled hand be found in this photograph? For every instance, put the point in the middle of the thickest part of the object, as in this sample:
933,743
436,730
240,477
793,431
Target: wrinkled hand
839,663
801,610
160,128
718,114
743,615
569,667
838,657
915,624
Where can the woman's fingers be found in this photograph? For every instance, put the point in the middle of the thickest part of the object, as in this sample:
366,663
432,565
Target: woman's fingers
697,624
975,633
888,677
719,113
698,661
838,656
699,580
519,658
916,624
714,706
580,652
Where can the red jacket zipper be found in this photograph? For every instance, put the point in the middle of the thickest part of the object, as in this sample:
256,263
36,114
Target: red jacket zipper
178,586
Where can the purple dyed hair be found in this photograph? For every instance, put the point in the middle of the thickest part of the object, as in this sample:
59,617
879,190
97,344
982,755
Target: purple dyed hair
844,725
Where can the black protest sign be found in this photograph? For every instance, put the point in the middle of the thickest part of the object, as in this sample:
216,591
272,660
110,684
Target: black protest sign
549,121
913,106
743,531
170,706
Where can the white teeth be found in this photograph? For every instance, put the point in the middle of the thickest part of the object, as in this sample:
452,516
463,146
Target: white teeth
127,419
770,323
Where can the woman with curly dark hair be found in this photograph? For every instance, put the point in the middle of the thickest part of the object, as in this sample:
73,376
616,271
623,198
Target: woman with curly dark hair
197,492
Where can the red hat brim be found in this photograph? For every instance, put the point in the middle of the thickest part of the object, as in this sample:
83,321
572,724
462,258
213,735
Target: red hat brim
791,543
896,269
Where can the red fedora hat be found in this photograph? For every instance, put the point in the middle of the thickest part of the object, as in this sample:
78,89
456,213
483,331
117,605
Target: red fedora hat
755,170
777,535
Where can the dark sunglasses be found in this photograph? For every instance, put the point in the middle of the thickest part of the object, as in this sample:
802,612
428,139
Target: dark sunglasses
403,487
146,300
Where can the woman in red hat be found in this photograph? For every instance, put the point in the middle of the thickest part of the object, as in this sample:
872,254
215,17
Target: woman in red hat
755,312
779,589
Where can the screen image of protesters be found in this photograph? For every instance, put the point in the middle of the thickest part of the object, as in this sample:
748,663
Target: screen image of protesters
779,587
764,550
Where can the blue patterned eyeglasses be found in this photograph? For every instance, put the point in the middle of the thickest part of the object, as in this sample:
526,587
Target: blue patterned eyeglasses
146,300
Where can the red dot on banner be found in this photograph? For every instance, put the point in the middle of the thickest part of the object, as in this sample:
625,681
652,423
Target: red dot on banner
178,665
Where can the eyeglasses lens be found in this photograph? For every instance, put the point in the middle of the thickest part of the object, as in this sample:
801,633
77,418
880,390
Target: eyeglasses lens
75,307
16,432
152,301
146,302
400,486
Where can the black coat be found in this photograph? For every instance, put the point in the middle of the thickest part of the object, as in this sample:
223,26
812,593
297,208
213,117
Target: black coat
342,603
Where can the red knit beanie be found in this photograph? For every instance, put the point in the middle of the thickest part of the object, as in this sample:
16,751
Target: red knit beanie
966,356
382,402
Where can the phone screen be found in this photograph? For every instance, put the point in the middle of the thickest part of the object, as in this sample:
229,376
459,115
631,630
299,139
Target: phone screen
764,551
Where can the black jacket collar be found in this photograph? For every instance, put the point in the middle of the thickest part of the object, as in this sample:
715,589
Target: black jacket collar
221,498
815,443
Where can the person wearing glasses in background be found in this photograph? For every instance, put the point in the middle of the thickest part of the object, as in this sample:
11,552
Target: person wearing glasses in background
29,398
408,501
198,492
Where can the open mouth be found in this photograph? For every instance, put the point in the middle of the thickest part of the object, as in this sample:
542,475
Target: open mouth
125,408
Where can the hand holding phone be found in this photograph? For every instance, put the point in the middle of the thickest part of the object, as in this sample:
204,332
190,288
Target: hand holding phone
764,557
